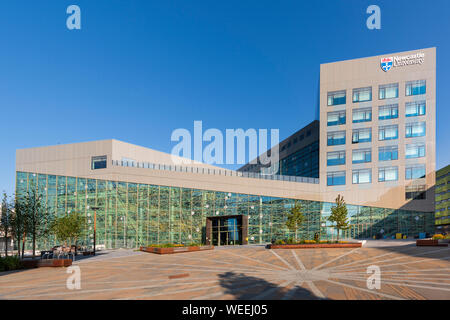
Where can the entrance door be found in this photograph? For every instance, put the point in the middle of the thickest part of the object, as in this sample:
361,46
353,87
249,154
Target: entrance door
226,231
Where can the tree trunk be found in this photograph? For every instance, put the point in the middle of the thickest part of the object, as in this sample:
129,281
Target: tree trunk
34,243
18,245
338,235
23,247
6,241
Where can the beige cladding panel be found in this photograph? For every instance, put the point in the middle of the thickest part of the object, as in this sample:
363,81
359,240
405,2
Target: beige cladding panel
367,72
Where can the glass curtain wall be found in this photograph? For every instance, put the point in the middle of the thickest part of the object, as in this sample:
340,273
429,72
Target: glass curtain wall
132,215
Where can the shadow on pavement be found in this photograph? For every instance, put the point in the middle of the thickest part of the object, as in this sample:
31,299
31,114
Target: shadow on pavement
244,287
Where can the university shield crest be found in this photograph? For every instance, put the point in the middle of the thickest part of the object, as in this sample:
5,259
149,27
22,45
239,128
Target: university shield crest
386,64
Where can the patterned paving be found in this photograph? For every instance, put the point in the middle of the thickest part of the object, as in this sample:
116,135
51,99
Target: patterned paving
407,272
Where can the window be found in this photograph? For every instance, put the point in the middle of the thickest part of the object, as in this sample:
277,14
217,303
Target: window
336,178
415,151
387,174
362,94
388,133
415,129
362,176
388,112
362,115
388,153
388,91
335,118
336,138
362,135
98,162
335,158
415,172
414,88
416,108
362,156
415,192
336,98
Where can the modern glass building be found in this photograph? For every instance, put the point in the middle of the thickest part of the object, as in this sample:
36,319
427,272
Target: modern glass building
374,145
442,192
135,214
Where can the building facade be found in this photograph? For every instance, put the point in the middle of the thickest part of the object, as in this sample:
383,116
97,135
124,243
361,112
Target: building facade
298,154
442,192
378,129
376,148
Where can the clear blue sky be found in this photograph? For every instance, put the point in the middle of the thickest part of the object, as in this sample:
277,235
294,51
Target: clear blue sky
140,69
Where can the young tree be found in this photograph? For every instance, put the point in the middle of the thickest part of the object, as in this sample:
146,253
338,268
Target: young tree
19,223
339,215
6,220
36,218
295,218
67,228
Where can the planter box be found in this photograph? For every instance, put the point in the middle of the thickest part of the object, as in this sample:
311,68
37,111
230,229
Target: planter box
28,264
430,243
174,249
315,245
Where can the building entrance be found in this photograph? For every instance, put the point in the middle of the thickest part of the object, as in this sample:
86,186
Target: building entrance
226,230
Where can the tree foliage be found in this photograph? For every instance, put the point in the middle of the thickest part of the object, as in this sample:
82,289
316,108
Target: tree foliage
295,218
67,228
339,215
6,220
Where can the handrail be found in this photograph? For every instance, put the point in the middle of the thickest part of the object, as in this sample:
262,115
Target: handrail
200,170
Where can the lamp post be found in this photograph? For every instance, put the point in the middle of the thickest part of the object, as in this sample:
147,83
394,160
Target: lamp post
95,225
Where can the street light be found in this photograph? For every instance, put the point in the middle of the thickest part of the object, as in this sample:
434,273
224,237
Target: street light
95,224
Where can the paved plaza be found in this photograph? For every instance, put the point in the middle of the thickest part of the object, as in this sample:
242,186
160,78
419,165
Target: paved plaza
245,272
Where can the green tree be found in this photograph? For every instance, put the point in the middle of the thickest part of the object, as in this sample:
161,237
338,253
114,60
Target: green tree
339,215
67,228
36,219
6,220
19,223
295,218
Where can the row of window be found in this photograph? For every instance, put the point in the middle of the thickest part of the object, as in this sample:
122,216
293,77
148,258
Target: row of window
390,132
413,109
361,176
389,153
387,91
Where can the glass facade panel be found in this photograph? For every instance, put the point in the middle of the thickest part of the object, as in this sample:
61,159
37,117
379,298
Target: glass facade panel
362,115
336,98
388,133
388,174
415,129
388,91
415,109
415,151
335,158
362,94
388,112
416,87
130,215
388,153
362,135
336,138
415,172
362,156
335,118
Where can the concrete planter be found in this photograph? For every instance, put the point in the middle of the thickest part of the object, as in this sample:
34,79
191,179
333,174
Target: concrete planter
431,243
28,264
173,250
315,245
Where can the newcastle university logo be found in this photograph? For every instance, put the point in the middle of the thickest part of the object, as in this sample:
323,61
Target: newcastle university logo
386,64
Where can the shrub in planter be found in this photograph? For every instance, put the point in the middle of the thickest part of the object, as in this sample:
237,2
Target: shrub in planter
10,263
438,237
